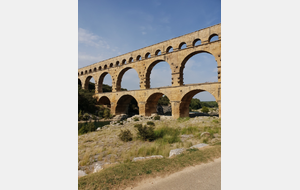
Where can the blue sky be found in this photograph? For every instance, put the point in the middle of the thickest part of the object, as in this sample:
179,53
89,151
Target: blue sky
108,28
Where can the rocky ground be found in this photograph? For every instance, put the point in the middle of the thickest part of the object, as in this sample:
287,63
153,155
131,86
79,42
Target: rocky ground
103,148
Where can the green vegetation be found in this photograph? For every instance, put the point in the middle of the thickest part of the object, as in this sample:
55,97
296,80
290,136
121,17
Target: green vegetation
125,135
127,174
145,132
157,117
205,110
183,119
150,123
197,104
164,101
90,126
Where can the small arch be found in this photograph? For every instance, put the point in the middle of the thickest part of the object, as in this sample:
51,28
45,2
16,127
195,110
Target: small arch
111,65
85,71
81,72
158,52
138,58
127,104
78,74
90,70
130,60
95,69
124,62
169,49
117,63
148,55
105,66
196,42
213,37
79,83
182,45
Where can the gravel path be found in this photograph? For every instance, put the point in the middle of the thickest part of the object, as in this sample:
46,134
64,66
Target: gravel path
200,177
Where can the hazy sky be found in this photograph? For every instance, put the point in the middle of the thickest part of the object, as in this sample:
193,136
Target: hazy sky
108,28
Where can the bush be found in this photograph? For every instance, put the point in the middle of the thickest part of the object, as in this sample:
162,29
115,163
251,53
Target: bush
205,110
145,133
168,134
89,127
157,117
135,119
150,123
80,117
106,113
125,135
86,116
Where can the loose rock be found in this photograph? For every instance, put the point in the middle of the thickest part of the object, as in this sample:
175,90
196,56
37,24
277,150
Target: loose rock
199,145
176,152
81,173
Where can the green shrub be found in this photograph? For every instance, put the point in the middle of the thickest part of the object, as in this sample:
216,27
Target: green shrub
86,116
137,125
205,110
125,135
157,117
94,117
135,119
145,133
89,127
80,117
215,121
168,134
106,113
150,123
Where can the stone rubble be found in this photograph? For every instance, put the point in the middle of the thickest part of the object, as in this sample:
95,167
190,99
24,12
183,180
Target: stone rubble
147,157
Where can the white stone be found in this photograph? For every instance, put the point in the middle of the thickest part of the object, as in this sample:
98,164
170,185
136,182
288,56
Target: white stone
176,152
81,173
97,167
199,145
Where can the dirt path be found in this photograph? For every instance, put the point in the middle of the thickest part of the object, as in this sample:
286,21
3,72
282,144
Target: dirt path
200,177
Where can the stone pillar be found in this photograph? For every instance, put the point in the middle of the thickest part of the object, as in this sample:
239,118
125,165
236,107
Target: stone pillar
176,79
96,87
175,109
219,105
113,106
219,73
142,108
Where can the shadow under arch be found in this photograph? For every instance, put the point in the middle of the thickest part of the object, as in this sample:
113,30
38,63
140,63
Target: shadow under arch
186,100
120,76
151,103
124,103
87,85
100,81
79,83
182,65
149,70
104,100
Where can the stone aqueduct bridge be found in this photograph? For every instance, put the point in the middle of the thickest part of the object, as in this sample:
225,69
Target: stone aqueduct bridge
143,60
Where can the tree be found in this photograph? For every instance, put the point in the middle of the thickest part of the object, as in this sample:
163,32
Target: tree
195,104
164,101
205,110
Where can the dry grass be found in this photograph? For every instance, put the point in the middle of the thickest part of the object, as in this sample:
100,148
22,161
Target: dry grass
105,145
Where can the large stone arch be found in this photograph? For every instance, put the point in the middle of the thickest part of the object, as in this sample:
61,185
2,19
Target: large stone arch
151,102
104,100
123,103
100,81
149,69
183,62
186,100
120,76
87,80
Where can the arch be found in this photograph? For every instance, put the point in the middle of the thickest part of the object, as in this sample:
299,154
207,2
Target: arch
158,52
111,65
100,81
100,68
79,83
148,55
117,63
95,69
130,60
152,103
169,49
81,72
212,36
104,100
90,70
87,82
196,42
186,100
181,45
85,72
124,62
123,103
149,69
139,57
105,67
120,76
182,65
